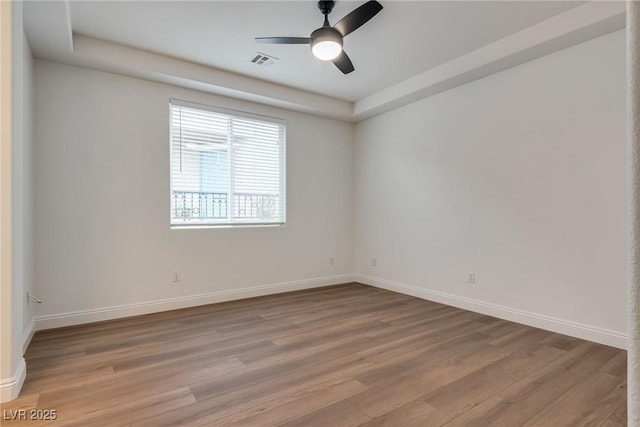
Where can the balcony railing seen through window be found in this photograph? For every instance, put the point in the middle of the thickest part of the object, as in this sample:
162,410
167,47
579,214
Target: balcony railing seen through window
198,205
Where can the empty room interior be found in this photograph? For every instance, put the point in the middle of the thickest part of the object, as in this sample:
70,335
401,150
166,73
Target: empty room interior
303,213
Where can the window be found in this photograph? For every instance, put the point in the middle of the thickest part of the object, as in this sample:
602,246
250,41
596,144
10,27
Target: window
227,167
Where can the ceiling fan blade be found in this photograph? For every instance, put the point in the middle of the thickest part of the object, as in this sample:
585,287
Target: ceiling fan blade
284,40
343,63
358,17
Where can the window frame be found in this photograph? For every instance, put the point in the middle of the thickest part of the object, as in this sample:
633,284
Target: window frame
228,223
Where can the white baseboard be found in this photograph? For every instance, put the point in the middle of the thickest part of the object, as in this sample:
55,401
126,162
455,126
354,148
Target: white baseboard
562,326
127,310
27,335
10,387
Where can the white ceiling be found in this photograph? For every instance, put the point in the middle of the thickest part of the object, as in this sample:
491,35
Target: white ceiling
409,51
404,40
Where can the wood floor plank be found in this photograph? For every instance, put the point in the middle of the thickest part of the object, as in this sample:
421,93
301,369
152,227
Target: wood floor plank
82,397
421,359
578,402
133,410
339,414
43,381
605,408
619,416
338,356
518,403
397,390
473,389
209,410
563,342
279,411
413,414
616,366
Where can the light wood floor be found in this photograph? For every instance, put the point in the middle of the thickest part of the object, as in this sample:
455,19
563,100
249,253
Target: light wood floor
346,355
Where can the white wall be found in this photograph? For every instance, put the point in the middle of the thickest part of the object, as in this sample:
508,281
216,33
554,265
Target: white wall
518,177
102,197
25,198
16,198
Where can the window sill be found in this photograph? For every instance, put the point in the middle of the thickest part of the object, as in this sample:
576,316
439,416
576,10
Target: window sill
201,226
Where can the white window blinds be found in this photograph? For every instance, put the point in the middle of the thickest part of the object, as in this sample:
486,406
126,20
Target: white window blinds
227,168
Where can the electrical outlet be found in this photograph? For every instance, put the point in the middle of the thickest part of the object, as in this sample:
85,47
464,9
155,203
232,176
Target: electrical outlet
176,277
331,261
471,278
374,262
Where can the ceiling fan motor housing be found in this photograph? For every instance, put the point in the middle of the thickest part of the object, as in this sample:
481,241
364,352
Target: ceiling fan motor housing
326,34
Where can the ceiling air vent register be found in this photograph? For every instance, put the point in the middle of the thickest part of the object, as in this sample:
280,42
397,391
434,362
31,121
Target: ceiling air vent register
263,59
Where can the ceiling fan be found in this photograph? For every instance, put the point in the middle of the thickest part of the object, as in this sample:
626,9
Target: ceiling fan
326,41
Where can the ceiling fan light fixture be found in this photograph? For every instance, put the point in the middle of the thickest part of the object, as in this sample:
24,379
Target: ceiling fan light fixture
326,50
326,43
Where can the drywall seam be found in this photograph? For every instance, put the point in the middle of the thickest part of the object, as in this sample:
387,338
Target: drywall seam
562,326
127,310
